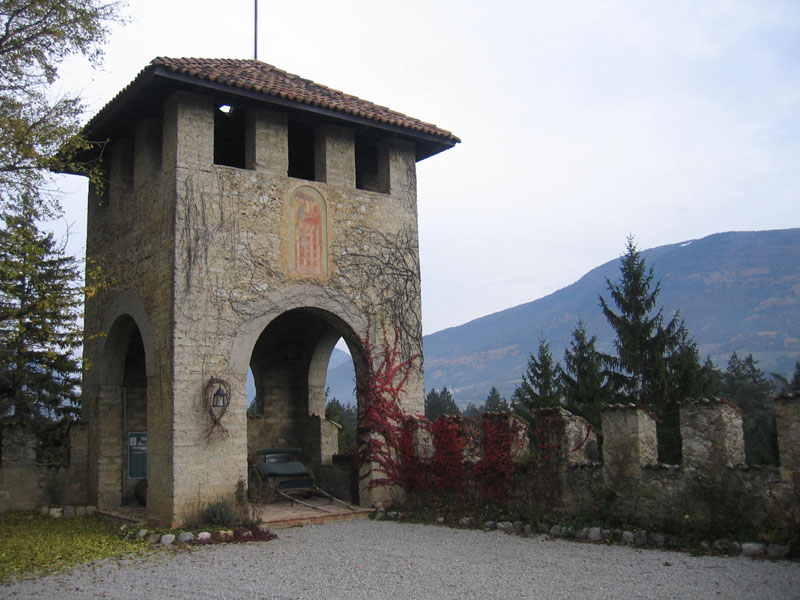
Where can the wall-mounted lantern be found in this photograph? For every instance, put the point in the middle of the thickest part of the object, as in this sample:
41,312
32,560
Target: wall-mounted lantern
216,398
220,398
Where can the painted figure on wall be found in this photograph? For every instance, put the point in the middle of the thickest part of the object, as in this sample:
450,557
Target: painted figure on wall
309,252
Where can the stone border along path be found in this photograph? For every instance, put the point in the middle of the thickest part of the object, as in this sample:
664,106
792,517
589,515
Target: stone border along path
373,560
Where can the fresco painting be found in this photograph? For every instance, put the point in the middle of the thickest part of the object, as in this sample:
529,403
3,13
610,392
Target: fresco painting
308,220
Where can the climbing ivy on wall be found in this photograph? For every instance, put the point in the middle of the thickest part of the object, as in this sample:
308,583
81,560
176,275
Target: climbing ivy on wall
449,472
495,471
378,430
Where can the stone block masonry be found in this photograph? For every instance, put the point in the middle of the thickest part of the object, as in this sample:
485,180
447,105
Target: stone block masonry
787,419
712,490
712,434
240,232
629,443
25,485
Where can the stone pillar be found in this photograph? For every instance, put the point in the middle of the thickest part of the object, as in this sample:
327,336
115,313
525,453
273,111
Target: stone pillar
421,437
517,427
787,419
397,169
108,444
629,442
188,131
321,440
159,448
334,156
469,432
329,440
568,438
267,142
712,434
76,484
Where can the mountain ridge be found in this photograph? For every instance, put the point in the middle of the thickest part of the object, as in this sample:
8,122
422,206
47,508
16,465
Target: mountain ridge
737,291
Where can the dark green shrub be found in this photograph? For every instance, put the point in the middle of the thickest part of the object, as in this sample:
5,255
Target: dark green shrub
220,513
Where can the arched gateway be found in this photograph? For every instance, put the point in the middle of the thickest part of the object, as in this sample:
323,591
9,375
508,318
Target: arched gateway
250,220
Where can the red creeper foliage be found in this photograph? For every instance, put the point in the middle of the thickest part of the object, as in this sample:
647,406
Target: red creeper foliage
379,432
495,472
449,473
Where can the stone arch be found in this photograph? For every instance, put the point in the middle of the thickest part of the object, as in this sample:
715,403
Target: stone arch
127,303
288,350
301,295
121,372
289,365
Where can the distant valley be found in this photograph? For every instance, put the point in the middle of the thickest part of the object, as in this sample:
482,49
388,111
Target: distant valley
737,291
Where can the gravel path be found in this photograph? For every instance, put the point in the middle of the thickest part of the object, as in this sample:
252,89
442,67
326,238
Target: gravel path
376,560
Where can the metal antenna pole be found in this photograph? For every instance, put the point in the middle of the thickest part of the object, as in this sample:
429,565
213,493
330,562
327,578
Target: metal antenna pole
255,30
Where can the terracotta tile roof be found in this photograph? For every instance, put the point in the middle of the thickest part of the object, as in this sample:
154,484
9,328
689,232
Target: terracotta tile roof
262,78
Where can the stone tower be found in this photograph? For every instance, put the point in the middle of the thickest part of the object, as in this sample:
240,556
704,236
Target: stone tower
250,219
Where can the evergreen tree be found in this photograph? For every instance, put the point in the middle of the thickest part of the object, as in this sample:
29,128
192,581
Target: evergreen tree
711,379
40,299
346,416
653,362
495,402
584,381
745,384
642,338
539,385
472,411
440,403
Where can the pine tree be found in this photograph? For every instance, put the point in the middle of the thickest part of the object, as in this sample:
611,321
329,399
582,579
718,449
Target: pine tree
472,411
653,362
539,385
495,402
440,403
40,299
745,384
584,382
710,379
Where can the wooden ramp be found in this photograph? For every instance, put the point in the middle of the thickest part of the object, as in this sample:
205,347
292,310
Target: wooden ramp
281,514
276,515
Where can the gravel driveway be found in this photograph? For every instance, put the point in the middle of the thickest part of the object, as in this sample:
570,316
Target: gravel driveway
375,560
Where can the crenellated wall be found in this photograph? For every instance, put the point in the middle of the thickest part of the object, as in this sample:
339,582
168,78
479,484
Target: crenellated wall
714,487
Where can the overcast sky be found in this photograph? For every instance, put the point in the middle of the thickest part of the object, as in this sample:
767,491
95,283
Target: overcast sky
581,122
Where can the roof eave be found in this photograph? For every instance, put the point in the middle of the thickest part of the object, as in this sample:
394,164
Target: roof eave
428,144
102,119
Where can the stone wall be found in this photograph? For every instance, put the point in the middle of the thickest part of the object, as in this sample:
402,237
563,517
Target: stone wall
25,485
201,264
787,419
713,488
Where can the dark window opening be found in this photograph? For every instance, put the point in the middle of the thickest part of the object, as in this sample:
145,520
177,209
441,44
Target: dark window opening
301,151
366,151
229,137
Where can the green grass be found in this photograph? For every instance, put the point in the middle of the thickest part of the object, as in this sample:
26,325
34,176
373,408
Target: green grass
34,545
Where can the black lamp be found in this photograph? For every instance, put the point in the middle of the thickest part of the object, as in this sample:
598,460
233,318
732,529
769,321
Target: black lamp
220,398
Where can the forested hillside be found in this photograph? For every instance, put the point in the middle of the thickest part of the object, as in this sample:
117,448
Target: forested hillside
737,291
